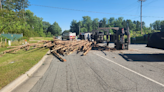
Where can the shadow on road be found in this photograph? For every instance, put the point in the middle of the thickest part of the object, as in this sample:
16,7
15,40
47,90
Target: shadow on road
143,57
57,57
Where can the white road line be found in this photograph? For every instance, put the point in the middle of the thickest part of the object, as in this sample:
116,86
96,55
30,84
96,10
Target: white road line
132,71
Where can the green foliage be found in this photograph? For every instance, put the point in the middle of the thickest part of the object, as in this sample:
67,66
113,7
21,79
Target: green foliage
24,38
14,19
55,29
162,26
88,25
49,34
66,31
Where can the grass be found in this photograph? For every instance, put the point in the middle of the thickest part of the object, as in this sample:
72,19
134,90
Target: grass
14,65
41,38
3,49
36,39
32,41
17,43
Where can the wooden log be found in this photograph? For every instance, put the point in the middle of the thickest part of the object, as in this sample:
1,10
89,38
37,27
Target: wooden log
47,44
57,55
86,46
27,48
75,48
87,51
57,48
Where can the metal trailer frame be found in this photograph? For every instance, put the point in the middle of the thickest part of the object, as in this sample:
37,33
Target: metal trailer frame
117,38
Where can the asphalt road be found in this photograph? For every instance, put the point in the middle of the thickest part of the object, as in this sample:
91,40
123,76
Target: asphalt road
139,69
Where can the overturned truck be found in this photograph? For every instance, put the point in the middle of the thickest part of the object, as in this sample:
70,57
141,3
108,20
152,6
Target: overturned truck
121,37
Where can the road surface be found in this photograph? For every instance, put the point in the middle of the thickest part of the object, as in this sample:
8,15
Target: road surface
139,69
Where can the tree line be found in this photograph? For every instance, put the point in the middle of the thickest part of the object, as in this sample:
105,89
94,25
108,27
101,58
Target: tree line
15,19
87,25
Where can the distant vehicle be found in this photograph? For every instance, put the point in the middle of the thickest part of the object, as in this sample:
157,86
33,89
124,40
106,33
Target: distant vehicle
156,40
69,36
85,36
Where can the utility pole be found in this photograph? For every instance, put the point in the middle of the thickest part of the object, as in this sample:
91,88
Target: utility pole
141,13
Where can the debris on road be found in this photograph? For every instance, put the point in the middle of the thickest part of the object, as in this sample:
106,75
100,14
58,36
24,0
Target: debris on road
68,47
100,48
57,47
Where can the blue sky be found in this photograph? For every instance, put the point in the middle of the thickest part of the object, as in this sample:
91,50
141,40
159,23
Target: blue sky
112,7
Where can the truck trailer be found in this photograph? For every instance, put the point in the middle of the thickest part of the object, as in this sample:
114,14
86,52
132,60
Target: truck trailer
69,36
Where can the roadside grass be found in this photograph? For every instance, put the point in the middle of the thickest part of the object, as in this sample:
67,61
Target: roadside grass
14,65
17,43
32,41
41,38
3,49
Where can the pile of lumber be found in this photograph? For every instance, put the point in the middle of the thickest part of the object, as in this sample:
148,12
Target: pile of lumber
57,47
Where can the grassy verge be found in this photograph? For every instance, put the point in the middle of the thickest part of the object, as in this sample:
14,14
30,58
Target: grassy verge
41,38
32,41
3,49
14,65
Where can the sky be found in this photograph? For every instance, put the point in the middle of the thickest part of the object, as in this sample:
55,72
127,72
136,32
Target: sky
128,9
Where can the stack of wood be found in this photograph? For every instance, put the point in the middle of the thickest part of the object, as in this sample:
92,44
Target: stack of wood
57,47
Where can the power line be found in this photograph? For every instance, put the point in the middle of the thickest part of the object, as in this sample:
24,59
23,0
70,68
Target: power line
150,2
126,7
134,17
156,6
92,11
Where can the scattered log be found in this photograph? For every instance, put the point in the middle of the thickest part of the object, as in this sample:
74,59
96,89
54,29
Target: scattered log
57,47
87,51
58,56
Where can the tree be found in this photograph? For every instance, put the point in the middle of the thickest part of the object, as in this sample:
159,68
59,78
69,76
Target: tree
49,34
162,26
129,24
83,29
21,4
65,31
55,29
46,25
157,25
35,22
124,24
111,21
95,23
87,23
103,22
118,22
138,26
151,26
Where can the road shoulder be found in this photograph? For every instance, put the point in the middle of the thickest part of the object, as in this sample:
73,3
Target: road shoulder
28,84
